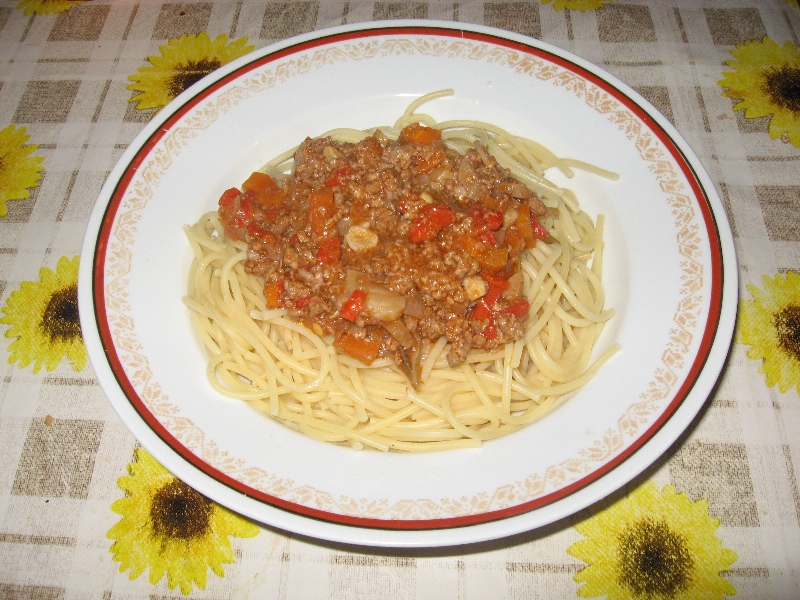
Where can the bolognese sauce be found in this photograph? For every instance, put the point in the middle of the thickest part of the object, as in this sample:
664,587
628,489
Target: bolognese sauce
389,245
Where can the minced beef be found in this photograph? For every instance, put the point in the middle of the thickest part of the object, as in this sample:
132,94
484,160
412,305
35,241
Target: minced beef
389,245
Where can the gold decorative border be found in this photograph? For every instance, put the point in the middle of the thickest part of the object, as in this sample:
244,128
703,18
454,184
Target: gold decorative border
609,444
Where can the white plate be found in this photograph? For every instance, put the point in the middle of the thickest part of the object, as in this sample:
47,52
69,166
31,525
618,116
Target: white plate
670,274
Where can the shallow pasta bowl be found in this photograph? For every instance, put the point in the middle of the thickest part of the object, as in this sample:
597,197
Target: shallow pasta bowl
670,275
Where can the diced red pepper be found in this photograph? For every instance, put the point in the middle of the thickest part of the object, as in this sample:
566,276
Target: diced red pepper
490,330
484,218
495,280
493,295
538,229
336,178
494,219
228,196
329,251
301,303
354,305
431,220
273,292
529,227
487,237
255,231
480,312
358,348
519,308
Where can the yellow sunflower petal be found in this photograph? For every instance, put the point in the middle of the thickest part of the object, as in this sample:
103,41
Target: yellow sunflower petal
170,529
19,171
770,325
47,7
182,62
652,544
44,319
765,79
581,5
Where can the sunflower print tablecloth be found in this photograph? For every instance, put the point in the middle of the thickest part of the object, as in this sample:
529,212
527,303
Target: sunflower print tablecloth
86,513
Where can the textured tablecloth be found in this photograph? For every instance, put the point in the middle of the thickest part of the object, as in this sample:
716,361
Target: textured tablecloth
85,513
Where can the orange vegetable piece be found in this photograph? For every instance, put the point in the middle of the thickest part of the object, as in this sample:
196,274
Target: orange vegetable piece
419,134
273,292
259,181
329,251
265,190
491,259
321,209
432,219
358,348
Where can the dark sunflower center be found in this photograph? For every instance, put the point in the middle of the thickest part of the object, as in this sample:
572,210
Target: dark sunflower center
191,72
783,87
654,560
178,511
787,326
60,319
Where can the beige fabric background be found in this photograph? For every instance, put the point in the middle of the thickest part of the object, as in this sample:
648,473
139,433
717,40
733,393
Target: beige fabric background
65,77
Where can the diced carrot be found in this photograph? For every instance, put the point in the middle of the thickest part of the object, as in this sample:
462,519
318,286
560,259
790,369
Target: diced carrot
426,164
273,292
321,210
524,225
321,197
264,190
492,202
419,134
491,259
259,181
514,241
358,348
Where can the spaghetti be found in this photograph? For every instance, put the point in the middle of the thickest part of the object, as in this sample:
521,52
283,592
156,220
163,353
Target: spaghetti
293,371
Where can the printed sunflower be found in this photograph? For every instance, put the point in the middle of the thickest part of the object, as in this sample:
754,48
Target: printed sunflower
581,5
19,171
183,61
170,528
770,325
794,3
652,545
47,7
44,318
766,78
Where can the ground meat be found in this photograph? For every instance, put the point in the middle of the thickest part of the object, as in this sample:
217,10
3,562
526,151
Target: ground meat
381,243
